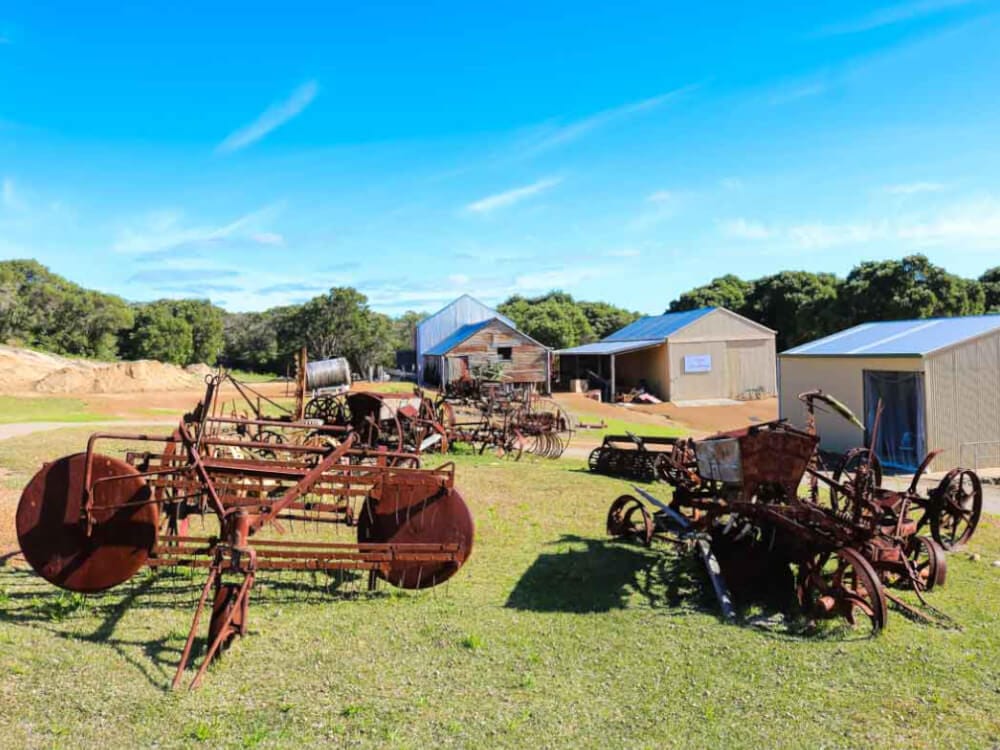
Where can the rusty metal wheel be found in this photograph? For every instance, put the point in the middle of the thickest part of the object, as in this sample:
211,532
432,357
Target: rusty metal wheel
842,583
53,535
957,504
853,470
417,510
329,409
928,560
629,519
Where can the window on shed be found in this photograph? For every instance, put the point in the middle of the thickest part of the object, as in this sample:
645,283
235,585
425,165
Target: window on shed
506,353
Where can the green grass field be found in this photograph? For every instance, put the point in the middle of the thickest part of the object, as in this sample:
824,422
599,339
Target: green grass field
550,636
46,409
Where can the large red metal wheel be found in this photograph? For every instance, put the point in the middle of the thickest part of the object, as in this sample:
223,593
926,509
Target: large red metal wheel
412,509
958,504
842,584
53,534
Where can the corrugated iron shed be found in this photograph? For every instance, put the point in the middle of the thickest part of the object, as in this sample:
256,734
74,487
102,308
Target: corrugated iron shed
463,311
899,338
658,326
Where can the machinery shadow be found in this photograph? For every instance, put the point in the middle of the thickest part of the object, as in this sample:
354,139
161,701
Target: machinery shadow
595,576
30,602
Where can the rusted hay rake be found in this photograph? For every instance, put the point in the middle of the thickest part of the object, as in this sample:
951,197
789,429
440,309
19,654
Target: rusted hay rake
736,499
509,423
90,521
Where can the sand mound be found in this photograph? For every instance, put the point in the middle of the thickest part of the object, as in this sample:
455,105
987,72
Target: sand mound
22,370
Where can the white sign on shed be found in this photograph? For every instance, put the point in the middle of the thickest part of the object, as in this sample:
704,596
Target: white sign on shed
698,363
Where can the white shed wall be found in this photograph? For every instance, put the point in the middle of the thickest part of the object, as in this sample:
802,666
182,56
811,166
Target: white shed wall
963,403
841,377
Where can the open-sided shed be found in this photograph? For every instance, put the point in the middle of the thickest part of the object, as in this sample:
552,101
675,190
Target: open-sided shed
707,353
938,380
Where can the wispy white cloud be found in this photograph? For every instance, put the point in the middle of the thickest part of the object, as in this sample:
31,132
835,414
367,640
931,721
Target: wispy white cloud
273,117
661,196
742,229
912,188
624,252
268,238
552,136
797,90
510,197
892,15
163,230
9,196
970,226
658,207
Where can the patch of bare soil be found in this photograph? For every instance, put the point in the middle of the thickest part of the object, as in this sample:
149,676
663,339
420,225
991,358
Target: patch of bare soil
25,371
8,506
700,420
711,419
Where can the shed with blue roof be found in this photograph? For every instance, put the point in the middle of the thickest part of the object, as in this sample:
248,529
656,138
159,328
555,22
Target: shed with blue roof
938,380
709,353
494,345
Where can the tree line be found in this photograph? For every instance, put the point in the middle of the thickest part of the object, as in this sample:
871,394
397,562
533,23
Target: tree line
802,306
42,310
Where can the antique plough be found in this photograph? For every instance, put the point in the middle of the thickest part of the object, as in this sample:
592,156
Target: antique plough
90,521
736,498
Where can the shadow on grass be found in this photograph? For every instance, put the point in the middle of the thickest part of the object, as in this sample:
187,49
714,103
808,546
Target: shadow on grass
600,576
27,600
594,576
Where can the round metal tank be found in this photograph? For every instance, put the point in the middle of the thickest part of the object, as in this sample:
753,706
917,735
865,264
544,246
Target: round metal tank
328,373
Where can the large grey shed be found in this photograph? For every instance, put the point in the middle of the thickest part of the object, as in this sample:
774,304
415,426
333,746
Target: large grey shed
938,380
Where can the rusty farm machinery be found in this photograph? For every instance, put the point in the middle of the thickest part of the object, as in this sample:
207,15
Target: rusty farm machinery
90,521
736,500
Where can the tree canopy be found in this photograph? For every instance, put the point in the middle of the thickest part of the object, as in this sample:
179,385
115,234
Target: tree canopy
43,310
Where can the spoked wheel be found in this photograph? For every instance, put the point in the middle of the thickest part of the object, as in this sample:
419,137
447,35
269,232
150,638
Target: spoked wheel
842,584
928,561
272,437
330,409
957,504
594,461
629,519
858,466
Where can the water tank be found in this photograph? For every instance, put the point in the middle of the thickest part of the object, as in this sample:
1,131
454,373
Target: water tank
328,373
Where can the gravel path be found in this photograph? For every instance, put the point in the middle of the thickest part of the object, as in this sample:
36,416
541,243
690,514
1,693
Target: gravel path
19,429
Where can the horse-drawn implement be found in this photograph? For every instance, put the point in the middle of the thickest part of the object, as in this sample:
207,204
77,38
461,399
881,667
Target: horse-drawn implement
90,521
737,494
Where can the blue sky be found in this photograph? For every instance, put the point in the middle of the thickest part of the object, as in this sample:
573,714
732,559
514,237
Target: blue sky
617,151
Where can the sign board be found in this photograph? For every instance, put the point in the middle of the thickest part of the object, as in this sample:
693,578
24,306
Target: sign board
697,363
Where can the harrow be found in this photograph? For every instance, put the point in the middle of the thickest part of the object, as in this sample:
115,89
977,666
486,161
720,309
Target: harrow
90,521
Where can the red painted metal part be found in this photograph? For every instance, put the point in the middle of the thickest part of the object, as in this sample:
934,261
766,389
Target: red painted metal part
51,526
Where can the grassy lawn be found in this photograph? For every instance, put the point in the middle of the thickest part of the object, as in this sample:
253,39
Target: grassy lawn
46,409
551,636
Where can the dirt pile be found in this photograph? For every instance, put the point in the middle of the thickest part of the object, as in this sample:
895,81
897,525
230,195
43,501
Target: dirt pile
23,371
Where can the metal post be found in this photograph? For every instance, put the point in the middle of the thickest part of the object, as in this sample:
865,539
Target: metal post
612,378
